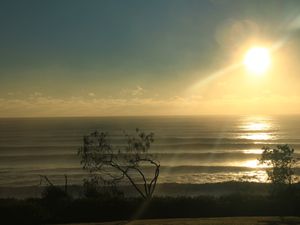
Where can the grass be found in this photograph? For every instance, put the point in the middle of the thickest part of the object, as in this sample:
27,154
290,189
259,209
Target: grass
209,221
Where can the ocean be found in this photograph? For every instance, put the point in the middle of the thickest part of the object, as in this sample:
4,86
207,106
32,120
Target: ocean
191,149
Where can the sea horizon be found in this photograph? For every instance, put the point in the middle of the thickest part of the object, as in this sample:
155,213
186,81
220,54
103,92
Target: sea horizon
153,115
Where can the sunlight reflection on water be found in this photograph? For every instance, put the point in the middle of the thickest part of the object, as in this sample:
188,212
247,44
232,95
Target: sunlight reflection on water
257,136
252,151
257,126
198,178
254,164
257,129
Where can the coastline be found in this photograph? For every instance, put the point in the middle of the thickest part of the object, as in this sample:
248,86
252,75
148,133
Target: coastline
166,189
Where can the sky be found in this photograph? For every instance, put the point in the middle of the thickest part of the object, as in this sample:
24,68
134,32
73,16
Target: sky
119,58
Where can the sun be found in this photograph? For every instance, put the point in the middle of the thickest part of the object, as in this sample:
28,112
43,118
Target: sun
257,60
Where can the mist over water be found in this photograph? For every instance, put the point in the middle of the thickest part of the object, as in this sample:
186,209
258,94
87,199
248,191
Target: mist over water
191,149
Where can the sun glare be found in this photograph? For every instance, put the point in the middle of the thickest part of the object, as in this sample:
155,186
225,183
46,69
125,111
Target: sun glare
257,60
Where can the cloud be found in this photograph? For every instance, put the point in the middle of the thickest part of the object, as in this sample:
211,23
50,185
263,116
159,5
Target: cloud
138,91
44,106
10,93
133,92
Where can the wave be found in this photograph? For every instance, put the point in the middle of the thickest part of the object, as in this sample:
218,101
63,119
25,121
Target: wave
183,155
190,149
164,169
175,174
173,143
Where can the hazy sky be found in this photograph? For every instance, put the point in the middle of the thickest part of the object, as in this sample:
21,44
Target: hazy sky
93,58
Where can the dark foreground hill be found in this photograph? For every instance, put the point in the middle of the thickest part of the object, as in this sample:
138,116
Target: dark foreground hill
210,221
62,209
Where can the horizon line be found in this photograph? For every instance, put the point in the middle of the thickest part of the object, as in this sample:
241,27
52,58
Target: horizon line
155,115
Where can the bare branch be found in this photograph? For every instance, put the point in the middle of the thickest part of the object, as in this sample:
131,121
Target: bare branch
100,157
46,179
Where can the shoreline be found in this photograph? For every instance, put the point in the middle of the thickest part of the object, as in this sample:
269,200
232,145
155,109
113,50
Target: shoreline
165,189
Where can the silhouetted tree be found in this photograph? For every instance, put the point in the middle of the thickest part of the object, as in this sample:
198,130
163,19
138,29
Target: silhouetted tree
281,162
114,163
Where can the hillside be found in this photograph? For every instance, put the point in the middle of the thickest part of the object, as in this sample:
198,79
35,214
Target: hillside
210,221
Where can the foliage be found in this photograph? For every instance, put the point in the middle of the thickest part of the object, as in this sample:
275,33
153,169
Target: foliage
92,189
53,193
36,211
112,163
281,162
